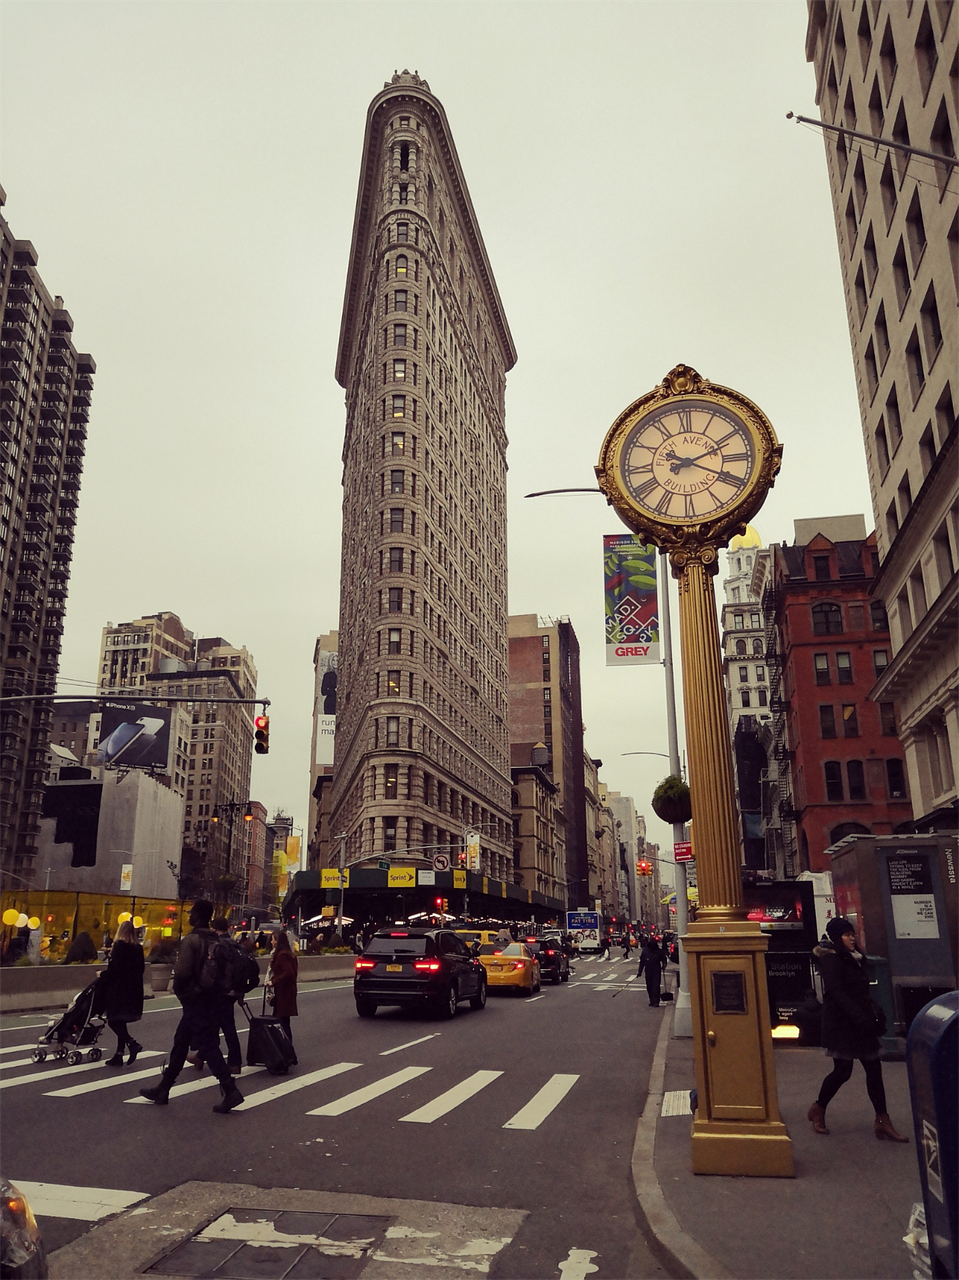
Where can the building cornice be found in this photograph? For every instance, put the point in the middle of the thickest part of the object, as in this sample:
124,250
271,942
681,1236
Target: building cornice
935,634
901,556
364,228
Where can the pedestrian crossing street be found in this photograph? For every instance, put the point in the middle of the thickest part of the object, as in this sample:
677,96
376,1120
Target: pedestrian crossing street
261,1089
615,974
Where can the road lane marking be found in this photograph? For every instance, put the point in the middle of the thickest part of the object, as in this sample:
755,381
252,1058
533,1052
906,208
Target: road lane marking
543,1103
452,1097
357,1099
85,1204
577,1265
63,1071
194,1086
409,1044
92,1086
290,1086
533,999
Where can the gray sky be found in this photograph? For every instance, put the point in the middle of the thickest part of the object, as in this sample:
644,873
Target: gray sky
187,173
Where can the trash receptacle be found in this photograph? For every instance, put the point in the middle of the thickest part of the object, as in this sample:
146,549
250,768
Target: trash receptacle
932,1058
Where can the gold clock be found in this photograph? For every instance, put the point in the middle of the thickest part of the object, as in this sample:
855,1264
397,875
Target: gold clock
689,458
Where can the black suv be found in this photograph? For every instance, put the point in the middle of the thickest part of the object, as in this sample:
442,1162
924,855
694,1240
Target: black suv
431,967
553,959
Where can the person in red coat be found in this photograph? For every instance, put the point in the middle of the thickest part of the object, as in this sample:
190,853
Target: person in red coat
282,978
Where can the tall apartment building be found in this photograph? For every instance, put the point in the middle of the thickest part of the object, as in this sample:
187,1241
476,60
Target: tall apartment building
45,404
422,744
887,69
133,650
828,642
746,678
321,745
546,729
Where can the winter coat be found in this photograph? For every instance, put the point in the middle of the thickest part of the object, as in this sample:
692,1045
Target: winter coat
283,970
849,1026
651,961
123,983
189,964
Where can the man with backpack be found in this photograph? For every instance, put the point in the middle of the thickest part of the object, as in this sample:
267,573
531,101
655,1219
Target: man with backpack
197,982
232,973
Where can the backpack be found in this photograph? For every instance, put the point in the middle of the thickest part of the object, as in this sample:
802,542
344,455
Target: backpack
245,972
216,970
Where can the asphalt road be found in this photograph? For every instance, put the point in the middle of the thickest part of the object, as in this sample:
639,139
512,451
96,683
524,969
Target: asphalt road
530,1104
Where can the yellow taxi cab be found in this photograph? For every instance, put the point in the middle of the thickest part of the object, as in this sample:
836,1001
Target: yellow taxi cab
482,936
511,966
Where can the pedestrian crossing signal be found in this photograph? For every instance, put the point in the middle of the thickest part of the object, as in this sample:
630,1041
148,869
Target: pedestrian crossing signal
261,735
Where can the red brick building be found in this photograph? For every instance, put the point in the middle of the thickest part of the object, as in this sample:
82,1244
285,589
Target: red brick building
846,763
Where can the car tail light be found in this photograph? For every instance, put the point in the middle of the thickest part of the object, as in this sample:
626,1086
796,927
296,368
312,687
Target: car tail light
366,964
551,953
431,965
517,964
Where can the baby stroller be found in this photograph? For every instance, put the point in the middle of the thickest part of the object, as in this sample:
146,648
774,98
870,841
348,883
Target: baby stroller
80,1026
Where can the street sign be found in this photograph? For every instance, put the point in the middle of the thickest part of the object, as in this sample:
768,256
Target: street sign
683,851
441,862
383,866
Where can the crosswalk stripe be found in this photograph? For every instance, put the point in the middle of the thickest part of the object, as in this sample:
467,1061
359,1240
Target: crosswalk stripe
542,1103
290,1086
194,1086
18,1062
15,1048
410,1043
110,1082
452,1097
85,1204
375,1090
62,1071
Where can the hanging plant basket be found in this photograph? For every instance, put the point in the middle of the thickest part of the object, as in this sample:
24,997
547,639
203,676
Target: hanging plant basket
671,800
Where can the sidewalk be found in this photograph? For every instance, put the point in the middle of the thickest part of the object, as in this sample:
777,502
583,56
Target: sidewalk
842,1217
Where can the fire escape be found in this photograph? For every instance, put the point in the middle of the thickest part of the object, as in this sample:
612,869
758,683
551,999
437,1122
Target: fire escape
778,810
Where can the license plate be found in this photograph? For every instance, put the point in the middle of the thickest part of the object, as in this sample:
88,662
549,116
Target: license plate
394,968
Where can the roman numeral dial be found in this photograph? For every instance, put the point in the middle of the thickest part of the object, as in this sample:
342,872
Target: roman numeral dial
688,461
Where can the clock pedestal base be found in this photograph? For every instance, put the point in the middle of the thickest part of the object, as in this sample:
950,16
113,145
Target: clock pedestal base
737,1129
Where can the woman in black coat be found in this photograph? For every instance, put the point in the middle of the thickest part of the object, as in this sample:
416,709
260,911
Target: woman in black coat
652,962
123,981
850,1027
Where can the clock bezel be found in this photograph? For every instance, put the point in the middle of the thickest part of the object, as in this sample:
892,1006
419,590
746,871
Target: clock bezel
681,386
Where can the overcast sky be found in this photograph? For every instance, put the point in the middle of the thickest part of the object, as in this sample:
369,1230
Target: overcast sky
187,173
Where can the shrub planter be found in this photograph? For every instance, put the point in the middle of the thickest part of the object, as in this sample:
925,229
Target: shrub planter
671,800
160,975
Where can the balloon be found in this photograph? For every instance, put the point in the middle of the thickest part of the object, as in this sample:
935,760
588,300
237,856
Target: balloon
11,916
34,922
138,922
22,920
124,915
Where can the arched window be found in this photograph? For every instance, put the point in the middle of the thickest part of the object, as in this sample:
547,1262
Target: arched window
401,265
847,829
740,648
758,647
826,619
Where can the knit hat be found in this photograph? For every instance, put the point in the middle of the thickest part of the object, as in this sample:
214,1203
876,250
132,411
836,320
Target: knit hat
837,927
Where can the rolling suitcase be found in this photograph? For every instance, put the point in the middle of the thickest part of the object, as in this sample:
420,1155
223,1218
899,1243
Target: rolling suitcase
268,1043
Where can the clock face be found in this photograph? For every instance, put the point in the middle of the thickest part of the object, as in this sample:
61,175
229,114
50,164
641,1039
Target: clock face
690,460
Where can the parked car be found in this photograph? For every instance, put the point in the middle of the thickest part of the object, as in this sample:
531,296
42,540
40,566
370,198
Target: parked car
22,1253
513,966
431,968
553,961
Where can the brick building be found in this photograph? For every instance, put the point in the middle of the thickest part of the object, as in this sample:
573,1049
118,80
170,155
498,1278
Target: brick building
828,642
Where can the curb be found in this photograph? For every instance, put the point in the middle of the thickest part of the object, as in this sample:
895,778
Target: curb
665,1233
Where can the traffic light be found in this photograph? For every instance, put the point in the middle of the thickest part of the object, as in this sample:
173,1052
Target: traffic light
438,904
643,868
462,858
262,735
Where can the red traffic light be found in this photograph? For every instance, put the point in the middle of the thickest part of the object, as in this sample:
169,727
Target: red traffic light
261,726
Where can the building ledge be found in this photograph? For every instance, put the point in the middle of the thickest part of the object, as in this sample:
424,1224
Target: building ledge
935,634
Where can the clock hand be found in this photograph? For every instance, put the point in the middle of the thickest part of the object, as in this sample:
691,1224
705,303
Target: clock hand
722,475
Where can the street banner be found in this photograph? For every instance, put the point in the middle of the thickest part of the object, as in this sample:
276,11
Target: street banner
324,712
632,613
459,879
401,878
330,878
473,850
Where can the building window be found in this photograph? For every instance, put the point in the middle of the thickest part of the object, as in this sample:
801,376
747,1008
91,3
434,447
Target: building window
827,722
397,481
744,696
744,675
896,779
763,699
880,660
850,720
932,330
402,232
738,621
757,647
399,370
826,620
392,731
399,406
760,674
821,568
740,648
399,335
844,668
396,599
887,719
398,442
754,621
389,834
855,776
391,779
396,559
832,770
396,519
401,265
877,615
399,300
392,684
394,640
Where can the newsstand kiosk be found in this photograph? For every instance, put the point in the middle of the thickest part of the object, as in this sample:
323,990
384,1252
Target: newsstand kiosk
932,1055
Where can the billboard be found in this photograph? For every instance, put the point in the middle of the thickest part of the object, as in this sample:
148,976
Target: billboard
326,708
632,613
584,926
134,735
